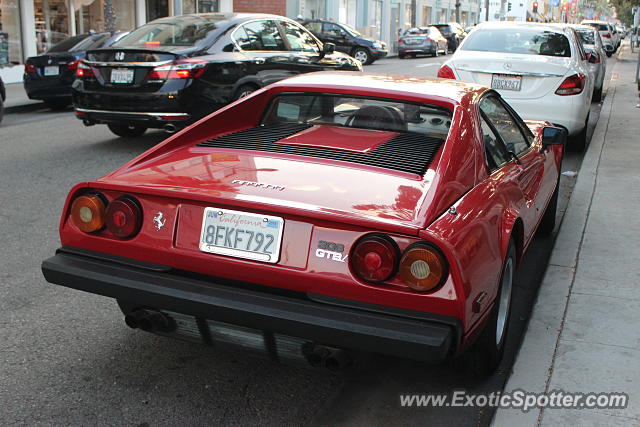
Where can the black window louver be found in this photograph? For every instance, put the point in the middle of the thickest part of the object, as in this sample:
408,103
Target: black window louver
405,152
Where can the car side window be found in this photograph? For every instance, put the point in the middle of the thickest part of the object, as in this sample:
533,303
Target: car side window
332,29
299,39
314,27
259,35
505,124
494,148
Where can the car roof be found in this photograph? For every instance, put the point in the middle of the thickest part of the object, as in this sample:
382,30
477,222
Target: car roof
513,24
384,85
228,16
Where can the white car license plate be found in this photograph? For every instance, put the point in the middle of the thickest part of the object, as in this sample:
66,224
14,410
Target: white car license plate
241,234
51,70
506,82
122,75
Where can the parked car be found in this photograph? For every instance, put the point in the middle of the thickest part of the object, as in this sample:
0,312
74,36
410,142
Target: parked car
49,76
325,213
422,40
348,40
173,71
593,47
606,33
541,70
3,97
453,32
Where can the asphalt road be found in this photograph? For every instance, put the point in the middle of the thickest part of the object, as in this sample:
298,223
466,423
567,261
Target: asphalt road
67,357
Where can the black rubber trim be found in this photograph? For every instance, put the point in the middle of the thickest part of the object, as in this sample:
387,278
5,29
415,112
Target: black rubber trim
405,152
324,323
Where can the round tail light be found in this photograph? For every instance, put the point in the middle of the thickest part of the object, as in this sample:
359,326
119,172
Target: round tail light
423,268
375,258
123,217
88,213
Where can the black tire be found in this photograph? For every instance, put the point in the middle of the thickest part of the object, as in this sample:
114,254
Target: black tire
609,54
597,95
578,143
446,50
402,55
436,52
548,221
127,131
485,355
243,91
363,55
1,108
57,103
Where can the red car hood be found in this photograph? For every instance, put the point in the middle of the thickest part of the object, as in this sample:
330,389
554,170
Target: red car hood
282,183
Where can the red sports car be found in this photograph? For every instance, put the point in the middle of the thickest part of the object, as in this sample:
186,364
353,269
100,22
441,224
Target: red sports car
323,214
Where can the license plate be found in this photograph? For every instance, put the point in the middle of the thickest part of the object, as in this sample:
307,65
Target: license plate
506,82
52,70
122,75
241,234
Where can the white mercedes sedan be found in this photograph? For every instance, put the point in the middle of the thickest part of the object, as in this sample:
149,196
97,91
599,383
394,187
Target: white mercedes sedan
541,70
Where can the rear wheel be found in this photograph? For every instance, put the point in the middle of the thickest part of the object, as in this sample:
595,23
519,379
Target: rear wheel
484,357
548,221
1,108
578,142
57,103
244,90
609,53
127,131
402,55
597,95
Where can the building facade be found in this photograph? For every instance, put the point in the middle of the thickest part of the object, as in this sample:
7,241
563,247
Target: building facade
30,27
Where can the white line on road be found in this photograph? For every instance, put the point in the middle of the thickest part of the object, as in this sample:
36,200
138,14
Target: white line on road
428,65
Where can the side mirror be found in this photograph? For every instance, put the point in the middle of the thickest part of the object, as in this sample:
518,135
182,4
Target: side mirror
552,135
328,48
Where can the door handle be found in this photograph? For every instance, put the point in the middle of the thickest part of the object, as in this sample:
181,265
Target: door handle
259,61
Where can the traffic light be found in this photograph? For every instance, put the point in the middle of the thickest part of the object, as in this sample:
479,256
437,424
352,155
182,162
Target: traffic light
509,7
535,7
564,7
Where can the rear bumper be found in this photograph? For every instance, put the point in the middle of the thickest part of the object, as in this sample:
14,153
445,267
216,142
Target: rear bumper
148,119
316,318
43,90
417,49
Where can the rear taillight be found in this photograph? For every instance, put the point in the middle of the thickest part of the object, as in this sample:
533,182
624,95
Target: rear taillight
83,71
572,85
606,36
88,212
29,68
190,68
375,258
445,72
123,217
73,65
422,267
400,41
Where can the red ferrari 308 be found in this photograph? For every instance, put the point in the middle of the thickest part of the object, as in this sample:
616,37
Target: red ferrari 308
324,214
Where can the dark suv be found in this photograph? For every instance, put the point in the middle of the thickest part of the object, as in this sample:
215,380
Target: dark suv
173,71
453,32
348,40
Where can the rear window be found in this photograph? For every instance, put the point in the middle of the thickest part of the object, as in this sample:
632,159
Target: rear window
444,29
415,31
519,40
586,37
186,30
92,42
357,112
68,44
599,27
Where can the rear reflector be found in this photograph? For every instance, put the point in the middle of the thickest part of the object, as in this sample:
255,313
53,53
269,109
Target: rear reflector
423,268
180,117
445,72
29,68
572,85
87,213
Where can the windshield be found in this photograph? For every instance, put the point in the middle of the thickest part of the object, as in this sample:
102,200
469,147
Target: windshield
186,30
351,30
586,36
518,40
356,112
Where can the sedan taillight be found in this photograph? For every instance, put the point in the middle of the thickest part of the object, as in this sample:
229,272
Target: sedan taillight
445,72
73,65
572,85
84,71
189,68
29,68
375,258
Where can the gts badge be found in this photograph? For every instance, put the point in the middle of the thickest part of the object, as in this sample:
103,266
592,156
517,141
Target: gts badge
331,251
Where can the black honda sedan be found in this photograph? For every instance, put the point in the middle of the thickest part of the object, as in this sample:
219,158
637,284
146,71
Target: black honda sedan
49,76
173,71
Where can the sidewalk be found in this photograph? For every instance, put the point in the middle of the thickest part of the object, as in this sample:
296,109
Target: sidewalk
584,333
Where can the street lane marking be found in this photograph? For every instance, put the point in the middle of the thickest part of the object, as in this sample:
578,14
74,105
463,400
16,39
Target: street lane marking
428,65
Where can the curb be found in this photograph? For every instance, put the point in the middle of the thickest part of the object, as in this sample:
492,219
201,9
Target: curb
534,363
23,108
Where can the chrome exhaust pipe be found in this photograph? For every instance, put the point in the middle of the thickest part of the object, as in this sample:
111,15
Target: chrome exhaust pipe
169,128
337,360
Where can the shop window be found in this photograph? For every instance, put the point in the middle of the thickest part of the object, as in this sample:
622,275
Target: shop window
10,35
